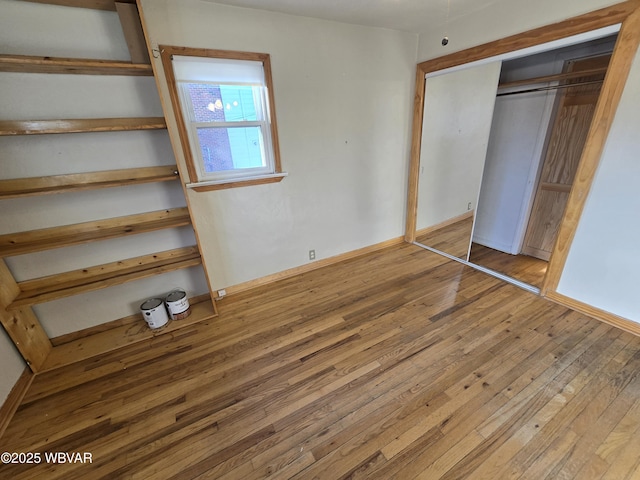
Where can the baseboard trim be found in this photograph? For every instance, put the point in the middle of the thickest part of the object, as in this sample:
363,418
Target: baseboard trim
602,315
14,399
309,267
446,223
504,248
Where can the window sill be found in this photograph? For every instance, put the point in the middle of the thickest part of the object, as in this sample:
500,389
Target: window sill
236,182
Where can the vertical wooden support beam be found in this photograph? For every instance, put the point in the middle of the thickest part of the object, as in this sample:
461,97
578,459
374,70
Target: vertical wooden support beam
17,393
22,325
414,165
133,34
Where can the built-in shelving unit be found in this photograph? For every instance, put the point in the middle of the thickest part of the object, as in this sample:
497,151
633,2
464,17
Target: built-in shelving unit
129,331
17,298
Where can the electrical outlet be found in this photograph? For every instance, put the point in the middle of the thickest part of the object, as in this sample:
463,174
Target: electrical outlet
221,293
469,206
312,254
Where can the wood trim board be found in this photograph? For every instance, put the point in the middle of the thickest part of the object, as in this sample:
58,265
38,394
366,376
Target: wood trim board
21,325
446,223
309,267
597,313
88,279
19,243
79,66
132,30
108,5
174,137
79,125
29,186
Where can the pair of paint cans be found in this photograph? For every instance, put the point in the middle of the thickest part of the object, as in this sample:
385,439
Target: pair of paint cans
158,311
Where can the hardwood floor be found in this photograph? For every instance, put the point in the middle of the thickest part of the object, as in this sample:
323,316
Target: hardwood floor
521,267
452,239
396,365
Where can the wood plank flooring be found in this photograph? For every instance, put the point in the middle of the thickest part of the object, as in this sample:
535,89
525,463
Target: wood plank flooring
521,267
452,239
395,365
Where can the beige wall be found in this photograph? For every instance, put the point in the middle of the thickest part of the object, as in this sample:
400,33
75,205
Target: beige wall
501,19
343,100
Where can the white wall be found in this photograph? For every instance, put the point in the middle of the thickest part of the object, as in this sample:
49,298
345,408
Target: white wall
501,19
34,29
603,263
343,101
458,108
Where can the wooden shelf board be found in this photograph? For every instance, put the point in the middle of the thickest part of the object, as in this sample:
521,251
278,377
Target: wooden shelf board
24,187
78,66
109,5
554,78
121,336
80,125
56,237
53,287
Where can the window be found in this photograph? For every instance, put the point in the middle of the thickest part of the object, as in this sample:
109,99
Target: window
224,107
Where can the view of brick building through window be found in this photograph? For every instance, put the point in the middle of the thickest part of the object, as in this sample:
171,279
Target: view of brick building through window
226,147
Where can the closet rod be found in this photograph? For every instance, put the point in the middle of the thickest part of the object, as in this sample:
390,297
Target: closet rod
556,76
551,87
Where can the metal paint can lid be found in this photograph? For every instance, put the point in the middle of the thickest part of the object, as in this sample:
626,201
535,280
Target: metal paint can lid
151,304
176,295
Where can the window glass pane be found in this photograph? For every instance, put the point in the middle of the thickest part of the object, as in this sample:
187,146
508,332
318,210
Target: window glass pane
231,148
224,103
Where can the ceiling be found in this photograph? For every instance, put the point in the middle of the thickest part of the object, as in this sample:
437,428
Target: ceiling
414,16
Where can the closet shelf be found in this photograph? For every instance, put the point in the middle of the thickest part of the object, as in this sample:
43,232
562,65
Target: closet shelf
80,66
80,125
53,287
66,235
24,187
133,330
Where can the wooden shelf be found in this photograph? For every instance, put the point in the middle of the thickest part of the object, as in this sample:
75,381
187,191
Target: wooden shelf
80,125
25,187
79,66
131,332
109,5
66,235
554,78
53,287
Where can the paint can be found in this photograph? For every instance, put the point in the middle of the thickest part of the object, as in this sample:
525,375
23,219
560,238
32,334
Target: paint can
154,313
178,305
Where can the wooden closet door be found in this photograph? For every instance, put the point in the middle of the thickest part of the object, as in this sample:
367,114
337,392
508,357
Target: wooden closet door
575,109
